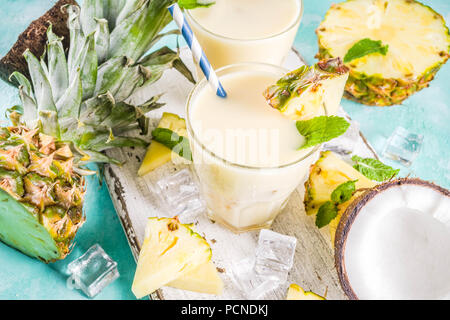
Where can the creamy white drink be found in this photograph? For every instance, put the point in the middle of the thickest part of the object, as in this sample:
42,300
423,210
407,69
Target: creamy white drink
246,154
233,31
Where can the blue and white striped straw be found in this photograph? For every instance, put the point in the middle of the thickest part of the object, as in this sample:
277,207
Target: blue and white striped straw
196,49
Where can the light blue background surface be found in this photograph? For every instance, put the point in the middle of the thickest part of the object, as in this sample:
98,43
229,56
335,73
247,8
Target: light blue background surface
427,112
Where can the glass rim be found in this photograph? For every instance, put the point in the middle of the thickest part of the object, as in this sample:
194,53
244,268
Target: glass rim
286,30
196,140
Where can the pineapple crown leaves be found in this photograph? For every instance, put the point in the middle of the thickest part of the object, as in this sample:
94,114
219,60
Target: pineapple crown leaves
79,96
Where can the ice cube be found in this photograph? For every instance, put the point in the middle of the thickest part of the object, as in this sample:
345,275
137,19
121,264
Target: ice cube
252,285
403,146
274,255
92,272
179,195
345,144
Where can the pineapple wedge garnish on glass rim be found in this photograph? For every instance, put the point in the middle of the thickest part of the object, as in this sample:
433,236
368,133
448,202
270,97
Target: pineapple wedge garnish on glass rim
418,45
301,93
72,110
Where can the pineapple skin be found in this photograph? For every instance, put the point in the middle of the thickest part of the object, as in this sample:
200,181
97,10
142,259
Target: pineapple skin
375,90
380,92
37,171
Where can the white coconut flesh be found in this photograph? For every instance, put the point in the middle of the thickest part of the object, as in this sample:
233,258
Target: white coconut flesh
398,246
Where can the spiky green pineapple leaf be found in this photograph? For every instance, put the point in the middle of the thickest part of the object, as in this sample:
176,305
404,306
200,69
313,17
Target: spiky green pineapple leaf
129,8
163,59
69,104
133,36
102,39
87,62
121,77
29,107
76,38
22,81
91,10
47,113
158,37
114,7
58,74
117,142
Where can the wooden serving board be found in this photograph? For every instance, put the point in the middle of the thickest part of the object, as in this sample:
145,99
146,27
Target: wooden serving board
135,201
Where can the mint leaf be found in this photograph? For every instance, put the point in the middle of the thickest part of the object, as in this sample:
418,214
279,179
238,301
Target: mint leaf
321,129
192,4
327,212
343,192
173,141
364,47
374,169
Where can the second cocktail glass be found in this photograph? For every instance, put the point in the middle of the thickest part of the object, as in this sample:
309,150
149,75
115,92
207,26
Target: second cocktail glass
236,31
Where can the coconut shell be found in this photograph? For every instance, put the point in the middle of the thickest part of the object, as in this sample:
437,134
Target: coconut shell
350,215
34,38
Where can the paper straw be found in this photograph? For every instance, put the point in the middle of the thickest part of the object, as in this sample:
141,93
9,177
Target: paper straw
196,49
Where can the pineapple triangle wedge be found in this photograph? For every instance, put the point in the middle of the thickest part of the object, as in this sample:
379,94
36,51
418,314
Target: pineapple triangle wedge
204,279
170,251
326,175
158,154
295,292
300,94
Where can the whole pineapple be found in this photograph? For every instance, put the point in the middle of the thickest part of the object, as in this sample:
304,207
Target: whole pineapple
72,110
418,45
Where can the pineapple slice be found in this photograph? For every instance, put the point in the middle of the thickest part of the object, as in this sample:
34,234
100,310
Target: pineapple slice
170,250
158,154
417,37
295,292
301,93
326,175
204,279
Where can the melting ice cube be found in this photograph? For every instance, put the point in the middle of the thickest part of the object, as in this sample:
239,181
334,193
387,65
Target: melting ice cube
274,255
403,146
92,272
253,285
179,195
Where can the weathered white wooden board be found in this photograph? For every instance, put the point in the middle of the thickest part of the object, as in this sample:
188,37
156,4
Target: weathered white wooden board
135,201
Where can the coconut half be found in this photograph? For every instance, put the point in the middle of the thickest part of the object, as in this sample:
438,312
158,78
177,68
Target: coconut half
393,242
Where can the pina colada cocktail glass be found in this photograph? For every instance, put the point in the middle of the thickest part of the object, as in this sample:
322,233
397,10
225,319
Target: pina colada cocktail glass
246,154
236,31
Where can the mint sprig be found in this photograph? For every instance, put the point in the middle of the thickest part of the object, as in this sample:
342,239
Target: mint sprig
321,129
192,4
365,47
343,192
329,210
374,169
173,141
